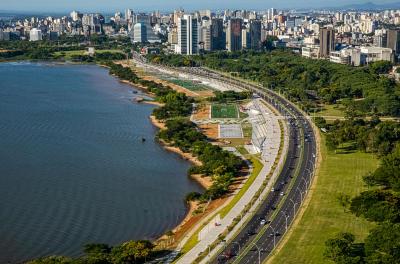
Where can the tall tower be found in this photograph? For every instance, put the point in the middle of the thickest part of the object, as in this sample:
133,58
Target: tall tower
326,41
234,34
393,40
255,34
218,41
188,35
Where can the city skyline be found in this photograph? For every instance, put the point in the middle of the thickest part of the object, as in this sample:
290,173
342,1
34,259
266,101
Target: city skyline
101,6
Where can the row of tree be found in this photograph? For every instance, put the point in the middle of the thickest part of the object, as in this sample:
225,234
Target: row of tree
134,252
221,165
368,136
304,80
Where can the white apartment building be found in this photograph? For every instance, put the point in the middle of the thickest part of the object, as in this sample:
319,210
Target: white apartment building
35,34
188,35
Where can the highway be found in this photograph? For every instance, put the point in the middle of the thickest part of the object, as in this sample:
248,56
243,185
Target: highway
256,240
259,236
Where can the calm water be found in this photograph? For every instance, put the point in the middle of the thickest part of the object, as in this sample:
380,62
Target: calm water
73,168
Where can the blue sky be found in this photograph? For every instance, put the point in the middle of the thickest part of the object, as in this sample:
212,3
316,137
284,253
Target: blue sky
164,5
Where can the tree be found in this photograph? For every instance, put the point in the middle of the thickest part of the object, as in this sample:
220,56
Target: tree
383,244
342,249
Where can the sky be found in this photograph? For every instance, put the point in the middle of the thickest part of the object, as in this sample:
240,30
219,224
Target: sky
167,5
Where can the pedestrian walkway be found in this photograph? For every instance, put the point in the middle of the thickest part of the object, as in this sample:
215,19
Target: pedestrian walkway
213,232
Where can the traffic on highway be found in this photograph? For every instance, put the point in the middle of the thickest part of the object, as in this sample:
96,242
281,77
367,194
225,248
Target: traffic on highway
259,236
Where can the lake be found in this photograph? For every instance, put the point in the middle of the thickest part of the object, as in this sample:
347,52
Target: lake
73,167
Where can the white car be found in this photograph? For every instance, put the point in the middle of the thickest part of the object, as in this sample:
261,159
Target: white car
263,222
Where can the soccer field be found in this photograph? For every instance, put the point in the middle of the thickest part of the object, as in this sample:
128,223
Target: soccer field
224,111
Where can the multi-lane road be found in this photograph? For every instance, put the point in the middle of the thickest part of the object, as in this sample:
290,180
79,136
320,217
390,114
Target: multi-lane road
261,234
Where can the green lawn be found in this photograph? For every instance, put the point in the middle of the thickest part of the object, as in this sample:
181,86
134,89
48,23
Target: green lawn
70,53
324,217
190,85
332,111
224,111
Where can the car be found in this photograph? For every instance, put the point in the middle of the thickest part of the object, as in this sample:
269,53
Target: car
273,208
263,222
273,189
250,233
282,194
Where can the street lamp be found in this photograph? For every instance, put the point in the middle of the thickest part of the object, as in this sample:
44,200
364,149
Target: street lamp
294,207
259,253
286,218
301,193
273,230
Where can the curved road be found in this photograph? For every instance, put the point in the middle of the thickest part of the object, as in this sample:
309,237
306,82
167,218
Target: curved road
257,240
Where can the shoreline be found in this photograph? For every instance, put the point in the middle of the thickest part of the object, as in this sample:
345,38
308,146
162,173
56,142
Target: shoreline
191,217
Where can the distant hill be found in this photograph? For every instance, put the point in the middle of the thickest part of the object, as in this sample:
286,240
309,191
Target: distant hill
370,6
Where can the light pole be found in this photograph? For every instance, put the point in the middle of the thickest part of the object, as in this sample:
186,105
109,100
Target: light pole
306,183
294,207
274,233
286,218
301,193
259,253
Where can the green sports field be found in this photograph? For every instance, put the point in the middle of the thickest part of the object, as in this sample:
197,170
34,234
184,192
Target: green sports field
224,111
190,85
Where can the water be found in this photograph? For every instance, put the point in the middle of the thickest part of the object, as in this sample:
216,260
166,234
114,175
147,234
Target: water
73,167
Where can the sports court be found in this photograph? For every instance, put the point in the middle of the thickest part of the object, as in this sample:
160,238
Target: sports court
224,111
230,131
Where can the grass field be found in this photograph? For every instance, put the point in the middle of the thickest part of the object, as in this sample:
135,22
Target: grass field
325,217
190,85
70,53
332,111
224,111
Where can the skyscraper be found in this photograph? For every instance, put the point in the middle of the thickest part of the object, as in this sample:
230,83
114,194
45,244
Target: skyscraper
187,35
218,41
326,41
255,34
234,34
35,34
393,40
139,33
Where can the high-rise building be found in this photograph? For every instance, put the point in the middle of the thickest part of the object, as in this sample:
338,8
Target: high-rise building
246,41
35,34
187,35
326,41
234,34
255,34
145,20
380,40
393,40
205,35
129,15
75,16
218,41
139,33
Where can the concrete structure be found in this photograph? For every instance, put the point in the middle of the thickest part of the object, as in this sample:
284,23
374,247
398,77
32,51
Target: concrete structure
255,34
311,51
139,33
234,35
326,41
372,54
187,35
393,40
218,41
35,34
